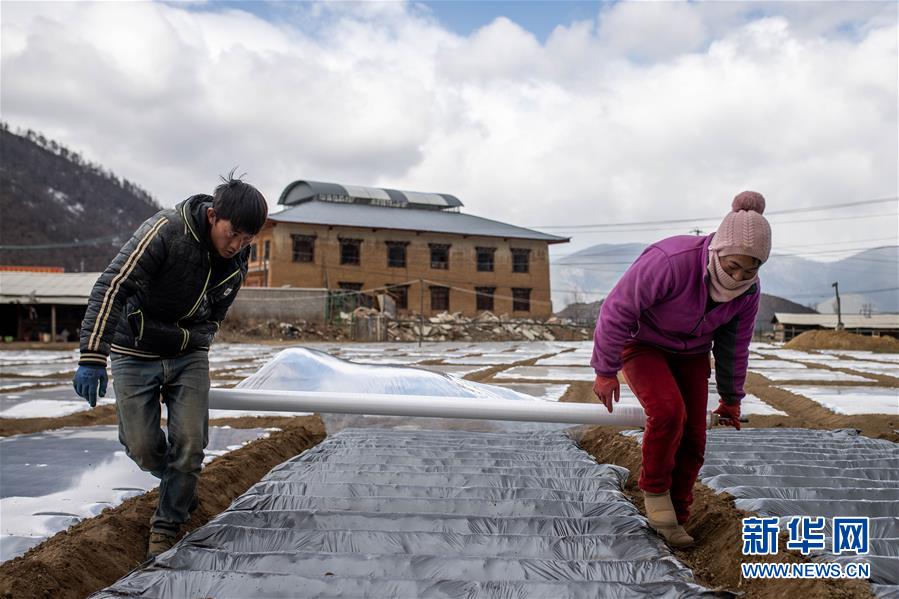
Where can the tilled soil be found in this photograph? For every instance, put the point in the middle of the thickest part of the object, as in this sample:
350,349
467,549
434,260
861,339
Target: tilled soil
20,426
484,375
107,415
801,411
836,340
96,552
805,413
716,524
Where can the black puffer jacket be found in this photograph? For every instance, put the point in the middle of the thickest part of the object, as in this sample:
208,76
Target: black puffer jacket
165,293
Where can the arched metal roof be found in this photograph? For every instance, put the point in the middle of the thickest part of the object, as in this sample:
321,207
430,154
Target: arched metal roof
302,191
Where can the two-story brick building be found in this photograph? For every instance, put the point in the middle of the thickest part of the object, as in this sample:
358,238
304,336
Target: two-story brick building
429,255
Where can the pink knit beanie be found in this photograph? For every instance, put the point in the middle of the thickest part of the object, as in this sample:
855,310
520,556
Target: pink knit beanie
744,230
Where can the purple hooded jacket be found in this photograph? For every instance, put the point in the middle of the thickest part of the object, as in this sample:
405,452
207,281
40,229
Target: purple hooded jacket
662,300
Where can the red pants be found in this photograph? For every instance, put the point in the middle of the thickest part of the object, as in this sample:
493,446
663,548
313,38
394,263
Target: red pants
673,390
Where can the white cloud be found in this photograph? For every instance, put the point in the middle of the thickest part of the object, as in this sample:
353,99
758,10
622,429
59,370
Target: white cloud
650,111
665,30
500,51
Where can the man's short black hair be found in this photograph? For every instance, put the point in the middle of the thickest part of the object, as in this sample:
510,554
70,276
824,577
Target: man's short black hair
240,203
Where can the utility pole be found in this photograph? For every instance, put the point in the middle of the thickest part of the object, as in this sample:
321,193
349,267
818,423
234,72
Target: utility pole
421,310
697,231
836,287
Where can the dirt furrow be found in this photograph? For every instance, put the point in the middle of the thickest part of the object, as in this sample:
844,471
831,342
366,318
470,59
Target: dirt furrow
716,524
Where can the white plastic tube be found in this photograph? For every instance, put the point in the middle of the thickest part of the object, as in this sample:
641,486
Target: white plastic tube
423,406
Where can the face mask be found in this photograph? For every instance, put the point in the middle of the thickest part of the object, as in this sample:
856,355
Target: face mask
724,287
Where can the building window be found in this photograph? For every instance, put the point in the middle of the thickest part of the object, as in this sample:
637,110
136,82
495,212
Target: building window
303,248
267,246
345,286
350,251
253,256
484,298
400,294
485,259
521,300
396,254
521,259
440,298
439,255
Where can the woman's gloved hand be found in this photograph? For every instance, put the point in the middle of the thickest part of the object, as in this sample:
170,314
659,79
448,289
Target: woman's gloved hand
607,389
729,414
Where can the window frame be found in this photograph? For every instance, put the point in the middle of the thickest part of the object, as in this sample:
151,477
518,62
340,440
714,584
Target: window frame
440,247
435,289
398,292
346,243
488,252
295,253
518,302
393,246
517,253
483,296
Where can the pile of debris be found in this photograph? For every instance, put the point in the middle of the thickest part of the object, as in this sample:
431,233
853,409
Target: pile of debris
368,324
484,327
236,331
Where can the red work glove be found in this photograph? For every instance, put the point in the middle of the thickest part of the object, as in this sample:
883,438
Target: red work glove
606,389
728,414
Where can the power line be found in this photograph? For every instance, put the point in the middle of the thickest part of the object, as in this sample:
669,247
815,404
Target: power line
832,243
617,247
858,291
59,246
876,247
777,222
718,217
787,255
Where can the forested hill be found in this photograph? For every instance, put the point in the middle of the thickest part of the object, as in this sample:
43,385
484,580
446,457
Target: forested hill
68,211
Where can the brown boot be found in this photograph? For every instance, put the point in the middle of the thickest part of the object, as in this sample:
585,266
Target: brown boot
159,543
663,519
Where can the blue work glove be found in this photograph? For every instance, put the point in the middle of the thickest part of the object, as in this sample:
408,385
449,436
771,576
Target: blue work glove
87,381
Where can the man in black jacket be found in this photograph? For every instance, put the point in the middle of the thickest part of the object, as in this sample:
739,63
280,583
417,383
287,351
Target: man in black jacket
155,311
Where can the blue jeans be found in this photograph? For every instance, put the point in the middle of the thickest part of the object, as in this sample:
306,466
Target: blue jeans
182,383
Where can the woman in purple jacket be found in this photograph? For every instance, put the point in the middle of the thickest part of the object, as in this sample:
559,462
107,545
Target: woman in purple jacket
682,297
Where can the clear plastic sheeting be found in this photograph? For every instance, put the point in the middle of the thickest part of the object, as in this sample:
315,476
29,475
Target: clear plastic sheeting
365,395
811,374
852,400
547,373
800,472
304,369
379,513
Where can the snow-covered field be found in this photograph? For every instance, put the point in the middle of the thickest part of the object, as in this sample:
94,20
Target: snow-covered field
54,479
36,383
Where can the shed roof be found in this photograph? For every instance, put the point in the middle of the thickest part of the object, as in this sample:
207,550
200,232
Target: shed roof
829,321
71,288
306,191
377,217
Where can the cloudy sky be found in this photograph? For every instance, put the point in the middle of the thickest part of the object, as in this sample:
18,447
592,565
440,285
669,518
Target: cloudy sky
552,115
